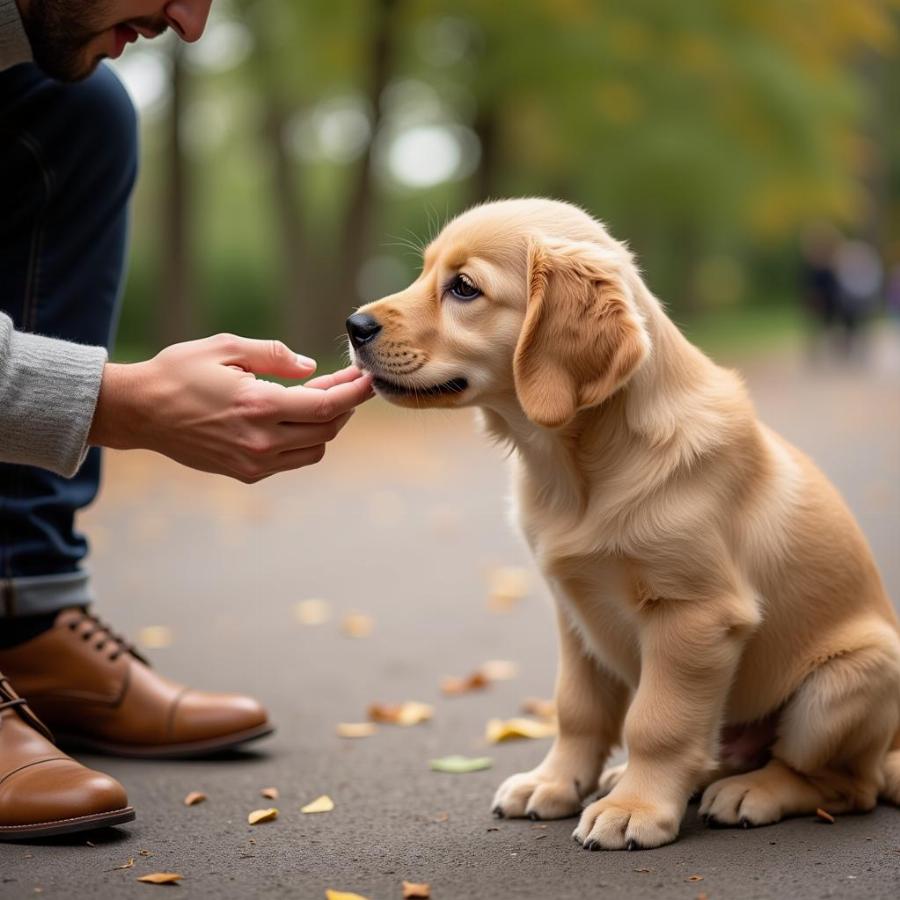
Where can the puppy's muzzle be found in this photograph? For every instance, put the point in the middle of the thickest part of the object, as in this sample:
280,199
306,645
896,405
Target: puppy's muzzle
362,329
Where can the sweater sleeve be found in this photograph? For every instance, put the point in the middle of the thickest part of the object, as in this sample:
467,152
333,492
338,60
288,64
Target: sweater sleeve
48,392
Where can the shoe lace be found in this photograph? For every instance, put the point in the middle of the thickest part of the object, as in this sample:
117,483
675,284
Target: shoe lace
8,700
96,627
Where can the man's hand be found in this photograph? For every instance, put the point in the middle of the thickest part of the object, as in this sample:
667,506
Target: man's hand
201,404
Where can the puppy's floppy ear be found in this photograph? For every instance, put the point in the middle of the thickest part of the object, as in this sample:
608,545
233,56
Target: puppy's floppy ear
581,339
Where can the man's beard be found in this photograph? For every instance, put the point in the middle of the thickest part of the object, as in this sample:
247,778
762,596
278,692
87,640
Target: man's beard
59,32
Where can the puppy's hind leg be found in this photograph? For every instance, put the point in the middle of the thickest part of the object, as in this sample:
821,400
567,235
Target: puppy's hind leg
830,752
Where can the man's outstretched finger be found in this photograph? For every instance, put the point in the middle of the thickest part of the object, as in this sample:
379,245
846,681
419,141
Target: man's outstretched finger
291,437
265,357
303,404
342,376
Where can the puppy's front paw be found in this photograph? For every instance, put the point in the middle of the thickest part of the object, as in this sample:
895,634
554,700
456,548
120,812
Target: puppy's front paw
536,796
626,823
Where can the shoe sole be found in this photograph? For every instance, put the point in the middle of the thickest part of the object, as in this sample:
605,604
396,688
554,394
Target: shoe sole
168,751
66,826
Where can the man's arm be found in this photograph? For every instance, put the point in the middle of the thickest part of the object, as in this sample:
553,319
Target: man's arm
198,403
48,391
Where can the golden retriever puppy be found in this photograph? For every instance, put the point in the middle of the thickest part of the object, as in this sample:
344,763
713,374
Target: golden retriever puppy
719,610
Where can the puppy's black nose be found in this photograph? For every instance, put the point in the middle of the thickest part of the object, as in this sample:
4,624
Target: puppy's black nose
362,328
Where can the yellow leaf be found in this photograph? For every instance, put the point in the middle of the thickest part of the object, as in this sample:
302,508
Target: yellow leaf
413,891
269,793
155,637
161,878
343,895
506,730
506,587
357,625
454,686
262,815
321,804
499,669
355,729
312,612
194,797
535,706
410,713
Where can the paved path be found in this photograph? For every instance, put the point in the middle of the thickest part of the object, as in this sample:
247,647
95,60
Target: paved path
403,521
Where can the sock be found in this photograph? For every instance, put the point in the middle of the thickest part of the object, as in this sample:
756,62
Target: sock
14,631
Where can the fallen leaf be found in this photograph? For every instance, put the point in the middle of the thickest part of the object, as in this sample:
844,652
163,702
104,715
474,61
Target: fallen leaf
825,816
694,878
161,878
342,895
127,865
357,625
535,706
454,686
355,729
321,804
269,793
262,815
643,870
312,612
506,587
410,713
194,797
145,853
412,890
499,730
444,816
155,637
499,669
458,765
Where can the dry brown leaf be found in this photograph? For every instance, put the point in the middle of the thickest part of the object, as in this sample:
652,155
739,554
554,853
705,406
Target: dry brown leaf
357,625
145,853
409,713
262,815
411,890
499,730
342,895
499,669
535,706
694,878
825,816
127,865
356,729
507,585
312,612
454,686
155,637
194,797
321,804
161,878
269,793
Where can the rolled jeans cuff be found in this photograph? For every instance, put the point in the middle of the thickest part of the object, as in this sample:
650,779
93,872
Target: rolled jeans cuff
42,594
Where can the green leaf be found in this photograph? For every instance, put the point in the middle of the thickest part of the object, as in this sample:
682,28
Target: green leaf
458,765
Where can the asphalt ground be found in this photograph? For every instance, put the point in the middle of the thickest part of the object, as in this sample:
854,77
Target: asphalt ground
405,521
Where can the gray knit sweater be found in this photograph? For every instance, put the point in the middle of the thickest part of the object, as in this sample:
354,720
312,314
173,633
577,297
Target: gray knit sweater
48,388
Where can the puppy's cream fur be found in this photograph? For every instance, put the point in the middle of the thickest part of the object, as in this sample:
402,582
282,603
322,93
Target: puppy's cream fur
719,610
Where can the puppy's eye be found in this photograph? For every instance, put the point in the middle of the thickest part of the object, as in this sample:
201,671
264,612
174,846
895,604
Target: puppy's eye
463,288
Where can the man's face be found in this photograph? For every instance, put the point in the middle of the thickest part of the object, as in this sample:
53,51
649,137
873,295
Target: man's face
69,37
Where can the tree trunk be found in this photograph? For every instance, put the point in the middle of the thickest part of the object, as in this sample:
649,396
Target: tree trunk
356,236
174,309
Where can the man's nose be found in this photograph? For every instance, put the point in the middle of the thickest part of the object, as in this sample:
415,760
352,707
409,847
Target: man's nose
362,328
188,17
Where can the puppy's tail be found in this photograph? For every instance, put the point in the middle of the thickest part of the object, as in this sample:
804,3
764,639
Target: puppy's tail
891,789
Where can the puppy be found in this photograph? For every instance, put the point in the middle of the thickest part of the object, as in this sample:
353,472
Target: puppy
719,610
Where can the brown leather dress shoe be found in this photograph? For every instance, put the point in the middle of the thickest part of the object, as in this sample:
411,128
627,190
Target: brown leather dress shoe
43,792
97,692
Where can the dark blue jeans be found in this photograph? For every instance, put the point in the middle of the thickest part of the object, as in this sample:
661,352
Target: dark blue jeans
68,159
